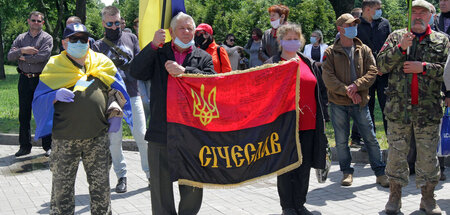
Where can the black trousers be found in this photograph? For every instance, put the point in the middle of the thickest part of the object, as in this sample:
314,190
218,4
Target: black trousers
162,189
26,88
293,185
378,86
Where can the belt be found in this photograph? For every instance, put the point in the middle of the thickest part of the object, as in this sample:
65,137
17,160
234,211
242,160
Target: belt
30,75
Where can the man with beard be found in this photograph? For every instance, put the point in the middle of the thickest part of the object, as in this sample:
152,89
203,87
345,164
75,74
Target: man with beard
121,47
414,106
204,39
31,50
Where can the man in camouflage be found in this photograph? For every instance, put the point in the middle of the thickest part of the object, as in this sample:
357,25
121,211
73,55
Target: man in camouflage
413,107
77,117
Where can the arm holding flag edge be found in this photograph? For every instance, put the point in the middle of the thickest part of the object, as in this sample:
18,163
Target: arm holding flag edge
297,138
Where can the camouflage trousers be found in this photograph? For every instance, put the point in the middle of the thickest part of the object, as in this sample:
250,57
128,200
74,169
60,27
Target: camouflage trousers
399,137
64,162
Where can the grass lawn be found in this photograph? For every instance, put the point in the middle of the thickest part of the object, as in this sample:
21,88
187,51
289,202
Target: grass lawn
9,107
9,111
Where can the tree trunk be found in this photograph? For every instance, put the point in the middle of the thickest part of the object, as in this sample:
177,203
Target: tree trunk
55,33
2,59
80,10
342,6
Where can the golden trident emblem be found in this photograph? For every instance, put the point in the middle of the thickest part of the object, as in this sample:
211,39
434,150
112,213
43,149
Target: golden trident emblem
206,111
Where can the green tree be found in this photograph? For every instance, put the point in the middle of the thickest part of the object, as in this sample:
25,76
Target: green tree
129,10
322,19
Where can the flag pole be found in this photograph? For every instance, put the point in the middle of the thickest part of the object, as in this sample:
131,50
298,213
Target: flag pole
409,2
163,14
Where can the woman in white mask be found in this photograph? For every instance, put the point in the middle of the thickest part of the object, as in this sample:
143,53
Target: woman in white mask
278,17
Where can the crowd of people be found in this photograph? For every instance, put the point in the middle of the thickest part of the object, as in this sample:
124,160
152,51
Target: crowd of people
113,78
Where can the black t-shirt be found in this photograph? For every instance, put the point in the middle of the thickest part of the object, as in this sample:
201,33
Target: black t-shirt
315,53
85,117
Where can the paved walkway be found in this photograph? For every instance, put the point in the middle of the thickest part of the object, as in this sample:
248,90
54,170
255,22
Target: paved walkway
25,185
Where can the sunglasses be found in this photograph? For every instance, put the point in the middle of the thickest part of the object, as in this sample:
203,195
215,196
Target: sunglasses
36,21
231,40
110,24
76,39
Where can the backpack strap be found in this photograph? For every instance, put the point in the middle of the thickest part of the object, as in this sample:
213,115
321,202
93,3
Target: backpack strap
116,49
218,54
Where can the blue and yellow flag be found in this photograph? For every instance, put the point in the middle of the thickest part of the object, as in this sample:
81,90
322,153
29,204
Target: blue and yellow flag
61,73
151,17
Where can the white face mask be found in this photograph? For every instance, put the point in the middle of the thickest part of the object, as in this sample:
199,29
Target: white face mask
275,24
182,45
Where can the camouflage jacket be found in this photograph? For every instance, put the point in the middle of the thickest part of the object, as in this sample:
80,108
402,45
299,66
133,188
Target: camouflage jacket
432,50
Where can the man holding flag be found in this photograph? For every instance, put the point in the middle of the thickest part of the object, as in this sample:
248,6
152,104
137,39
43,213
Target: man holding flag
414,107
155,62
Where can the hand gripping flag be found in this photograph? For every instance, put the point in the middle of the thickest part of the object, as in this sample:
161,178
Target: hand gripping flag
61,73
155,15
228,129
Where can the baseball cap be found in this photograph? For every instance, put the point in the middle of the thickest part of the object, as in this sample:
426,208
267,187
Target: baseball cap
205,27
74,28
421,3
347,18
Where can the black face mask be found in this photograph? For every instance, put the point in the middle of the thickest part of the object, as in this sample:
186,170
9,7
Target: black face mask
446,15
113,35
199,40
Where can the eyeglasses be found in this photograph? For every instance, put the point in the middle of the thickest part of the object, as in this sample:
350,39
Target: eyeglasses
36,20
110,24
76,39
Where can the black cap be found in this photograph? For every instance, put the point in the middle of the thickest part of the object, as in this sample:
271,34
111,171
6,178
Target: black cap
74,28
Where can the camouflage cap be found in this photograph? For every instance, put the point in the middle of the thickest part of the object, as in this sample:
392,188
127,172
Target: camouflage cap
346,18
421,3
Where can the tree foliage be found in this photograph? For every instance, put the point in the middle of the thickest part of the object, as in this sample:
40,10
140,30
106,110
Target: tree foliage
241,16
225,16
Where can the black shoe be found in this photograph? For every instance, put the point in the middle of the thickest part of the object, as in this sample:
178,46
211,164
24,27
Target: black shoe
47,153
121,186
303,211
22,152
289,211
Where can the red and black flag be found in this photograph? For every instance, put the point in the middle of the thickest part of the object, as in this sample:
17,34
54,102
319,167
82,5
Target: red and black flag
227,129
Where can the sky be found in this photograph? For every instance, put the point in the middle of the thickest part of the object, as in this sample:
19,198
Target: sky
107,2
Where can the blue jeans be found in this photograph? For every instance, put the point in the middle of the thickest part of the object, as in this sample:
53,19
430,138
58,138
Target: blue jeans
340,118
139,128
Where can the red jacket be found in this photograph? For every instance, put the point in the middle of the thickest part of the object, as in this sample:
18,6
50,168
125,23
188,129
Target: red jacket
224,65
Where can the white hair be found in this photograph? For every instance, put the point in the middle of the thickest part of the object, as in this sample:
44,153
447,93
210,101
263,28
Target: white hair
180,16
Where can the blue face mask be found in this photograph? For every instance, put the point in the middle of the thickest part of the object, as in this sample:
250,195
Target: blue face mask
312,40
377,14
351,32
78,49
431,20
182,45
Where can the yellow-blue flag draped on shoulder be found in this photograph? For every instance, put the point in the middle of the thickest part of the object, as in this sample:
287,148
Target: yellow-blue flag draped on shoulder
61,73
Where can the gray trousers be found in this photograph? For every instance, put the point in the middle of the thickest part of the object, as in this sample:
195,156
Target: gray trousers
162,188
